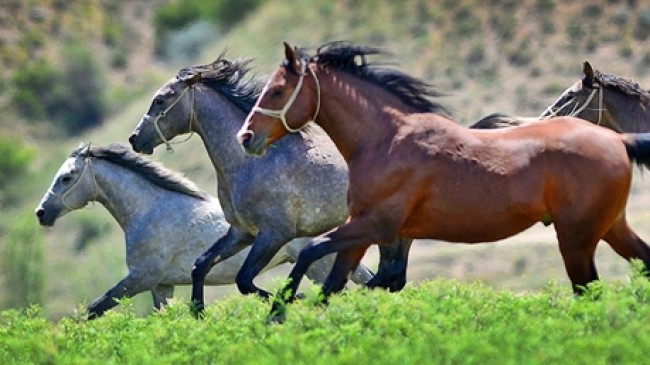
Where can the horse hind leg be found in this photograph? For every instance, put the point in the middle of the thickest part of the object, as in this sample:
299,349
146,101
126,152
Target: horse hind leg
160,294
578,250
393,263
627,244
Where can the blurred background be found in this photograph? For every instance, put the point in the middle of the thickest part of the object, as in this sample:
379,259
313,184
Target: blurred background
85,70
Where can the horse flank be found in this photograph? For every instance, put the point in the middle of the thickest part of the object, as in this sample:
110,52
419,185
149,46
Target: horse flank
122,155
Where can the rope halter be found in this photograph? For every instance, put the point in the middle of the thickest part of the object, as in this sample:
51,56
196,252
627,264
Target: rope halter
61,197
163,114
282,113
579,108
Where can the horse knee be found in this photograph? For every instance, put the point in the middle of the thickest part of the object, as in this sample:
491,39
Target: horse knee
202,266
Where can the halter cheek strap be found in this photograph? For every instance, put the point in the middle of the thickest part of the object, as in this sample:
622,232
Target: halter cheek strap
87,163
282,113
577,109
162,115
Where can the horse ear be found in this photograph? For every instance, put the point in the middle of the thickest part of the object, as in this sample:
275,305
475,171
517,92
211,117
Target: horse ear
291,57
588,71
86,151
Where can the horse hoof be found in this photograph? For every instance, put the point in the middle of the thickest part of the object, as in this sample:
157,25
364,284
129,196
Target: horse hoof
276,318
197,309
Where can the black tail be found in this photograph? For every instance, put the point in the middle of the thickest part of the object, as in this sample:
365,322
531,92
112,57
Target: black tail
638,148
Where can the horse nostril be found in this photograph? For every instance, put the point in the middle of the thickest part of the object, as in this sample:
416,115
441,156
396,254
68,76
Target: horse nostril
40,212
246,138
132,139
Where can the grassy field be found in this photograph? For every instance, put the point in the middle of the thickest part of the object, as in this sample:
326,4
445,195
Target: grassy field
506,56
436,322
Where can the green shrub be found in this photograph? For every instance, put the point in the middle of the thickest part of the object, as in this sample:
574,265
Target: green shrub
22,263
176,15
34,84
15,160
545,6
642,27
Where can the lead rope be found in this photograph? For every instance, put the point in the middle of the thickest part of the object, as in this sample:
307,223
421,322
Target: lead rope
163,114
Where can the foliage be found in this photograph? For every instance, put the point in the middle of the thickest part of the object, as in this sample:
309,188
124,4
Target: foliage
437,322
642,27
14,165
22,263
71,97
176,15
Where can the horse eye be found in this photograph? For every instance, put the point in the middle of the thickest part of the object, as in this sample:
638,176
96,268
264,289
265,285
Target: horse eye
158,101
66,179
277,93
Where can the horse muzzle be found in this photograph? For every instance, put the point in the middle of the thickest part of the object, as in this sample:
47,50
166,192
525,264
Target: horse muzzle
253,144
138,146
45,219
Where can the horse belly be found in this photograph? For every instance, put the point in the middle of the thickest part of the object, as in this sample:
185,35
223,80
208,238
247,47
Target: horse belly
469,223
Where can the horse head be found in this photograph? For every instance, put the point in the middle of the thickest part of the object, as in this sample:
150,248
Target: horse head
287,103
170,113
72,188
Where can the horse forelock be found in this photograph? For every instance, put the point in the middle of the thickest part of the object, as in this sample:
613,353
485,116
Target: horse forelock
228,78
122,155
351,59
628,87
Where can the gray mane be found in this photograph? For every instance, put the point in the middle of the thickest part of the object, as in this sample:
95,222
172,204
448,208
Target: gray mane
227,78
123,155
625,86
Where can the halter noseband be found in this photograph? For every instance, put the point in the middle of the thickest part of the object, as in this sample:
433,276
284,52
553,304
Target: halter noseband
163,114
282,113
577,109
87,163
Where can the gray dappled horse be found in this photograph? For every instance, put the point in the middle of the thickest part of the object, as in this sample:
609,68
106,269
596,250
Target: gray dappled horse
298,189
167,221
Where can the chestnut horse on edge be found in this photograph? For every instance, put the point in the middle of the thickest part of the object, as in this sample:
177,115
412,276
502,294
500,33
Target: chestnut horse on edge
416,173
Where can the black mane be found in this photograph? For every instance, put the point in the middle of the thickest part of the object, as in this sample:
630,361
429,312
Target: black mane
122,155
625,86
227,78
351,58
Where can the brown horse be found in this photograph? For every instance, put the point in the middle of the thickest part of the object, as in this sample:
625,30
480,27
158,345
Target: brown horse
606,100
415,173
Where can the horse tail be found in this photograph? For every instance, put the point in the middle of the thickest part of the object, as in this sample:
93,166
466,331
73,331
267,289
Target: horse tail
638,148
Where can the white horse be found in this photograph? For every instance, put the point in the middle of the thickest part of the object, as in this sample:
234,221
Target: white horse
167,222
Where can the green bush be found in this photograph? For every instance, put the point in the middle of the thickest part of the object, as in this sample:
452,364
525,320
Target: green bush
176,15
22,263
34,84
71,97
642,27
15,159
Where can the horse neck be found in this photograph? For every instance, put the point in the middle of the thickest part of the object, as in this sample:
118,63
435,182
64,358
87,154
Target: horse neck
356,114
629,114
217,121
124,193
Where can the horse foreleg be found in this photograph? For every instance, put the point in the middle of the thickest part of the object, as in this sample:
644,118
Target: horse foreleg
131,285
160,294
345,261
234,241
393,262
356,233
265,247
